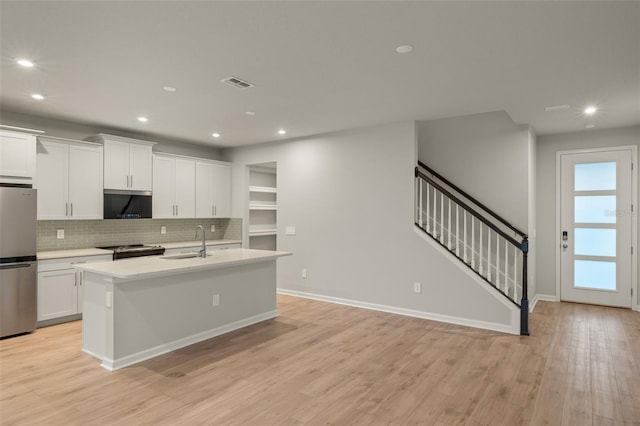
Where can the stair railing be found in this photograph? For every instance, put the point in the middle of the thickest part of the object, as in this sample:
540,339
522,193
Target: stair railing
488,244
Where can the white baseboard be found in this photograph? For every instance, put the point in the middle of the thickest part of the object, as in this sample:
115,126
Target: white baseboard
542,298
503,328
115,364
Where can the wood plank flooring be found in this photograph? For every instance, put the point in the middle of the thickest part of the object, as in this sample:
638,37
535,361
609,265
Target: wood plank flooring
320,363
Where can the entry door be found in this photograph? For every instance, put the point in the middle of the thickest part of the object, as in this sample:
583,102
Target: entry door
595,223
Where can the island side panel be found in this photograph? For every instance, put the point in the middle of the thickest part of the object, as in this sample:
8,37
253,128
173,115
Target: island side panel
157,315
96,316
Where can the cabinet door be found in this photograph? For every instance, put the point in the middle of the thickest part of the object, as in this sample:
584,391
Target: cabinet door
204,189
85,182
222,190
163,205
185,187
52,180
140,167
57,294
116,165
17,157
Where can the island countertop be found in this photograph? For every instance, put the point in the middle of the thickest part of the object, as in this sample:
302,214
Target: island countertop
154,266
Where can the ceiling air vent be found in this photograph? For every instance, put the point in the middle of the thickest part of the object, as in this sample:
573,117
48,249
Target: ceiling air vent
236,82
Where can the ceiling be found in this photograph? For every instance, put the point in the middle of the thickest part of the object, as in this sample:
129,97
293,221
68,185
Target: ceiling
319,66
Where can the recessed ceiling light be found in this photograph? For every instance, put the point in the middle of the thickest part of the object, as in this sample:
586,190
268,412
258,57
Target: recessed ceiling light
143,119
590,110
25,63
37,96
169,88
216,135
250,113
282,132
405,48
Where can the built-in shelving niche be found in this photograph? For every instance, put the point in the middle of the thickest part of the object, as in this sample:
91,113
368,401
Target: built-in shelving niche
263,206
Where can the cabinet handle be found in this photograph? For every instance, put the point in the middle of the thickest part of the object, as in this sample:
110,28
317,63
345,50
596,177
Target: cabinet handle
71,209
66,209
75,279
81,277
131,181
177,210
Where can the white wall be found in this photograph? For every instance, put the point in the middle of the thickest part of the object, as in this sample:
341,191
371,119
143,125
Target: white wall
491,158
484,154
546,190
350,196
79,131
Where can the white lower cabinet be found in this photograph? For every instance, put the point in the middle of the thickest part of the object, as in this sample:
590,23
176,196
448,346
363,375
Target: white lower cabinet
60,287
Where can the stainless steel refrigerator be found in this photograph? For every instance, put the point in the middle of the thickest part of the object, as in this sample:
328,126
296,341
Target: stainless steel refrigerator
18,272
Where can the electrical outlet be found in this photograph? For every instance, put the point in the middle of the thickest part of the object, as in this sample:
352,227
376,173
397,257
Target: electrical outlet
213,228
60,234
163,230
216,300
417,288
304,272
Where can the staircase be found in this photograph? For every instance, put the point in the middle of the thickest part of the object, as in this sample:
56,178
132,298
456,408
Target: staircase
479,238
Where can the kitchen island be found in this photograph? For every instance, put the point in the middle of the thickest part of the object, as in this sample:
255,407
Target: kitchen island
136,309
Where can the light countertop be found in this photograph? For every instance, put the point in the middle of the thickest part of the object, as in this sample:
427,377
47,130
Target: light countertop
195,243
61,254
154,266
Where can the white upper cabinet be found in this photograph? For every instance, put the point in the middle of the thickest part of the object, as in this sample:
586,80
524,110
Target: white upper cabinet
174,188
69,179
127,162
213,189
17,157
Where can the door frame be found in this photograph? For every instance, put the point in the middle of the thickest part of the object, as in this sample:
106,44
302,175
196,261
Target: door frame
635,306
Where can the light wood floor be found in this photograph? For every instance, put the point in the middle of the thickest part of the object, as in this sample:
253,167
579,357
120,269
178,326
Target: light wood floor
320,363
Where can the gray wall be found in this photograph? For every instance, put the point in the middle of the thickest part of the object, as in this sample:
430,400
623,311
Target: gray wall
350,196
78,131
546,190
484,154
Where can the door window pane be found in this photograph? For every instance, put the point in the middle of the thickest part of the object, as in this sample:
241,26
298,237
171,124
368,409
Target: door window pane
595,209
595,242
595,176
595,274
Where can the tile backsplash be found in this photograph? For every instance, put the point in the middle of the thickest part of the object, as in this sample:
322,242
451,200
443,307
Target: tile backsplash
93,233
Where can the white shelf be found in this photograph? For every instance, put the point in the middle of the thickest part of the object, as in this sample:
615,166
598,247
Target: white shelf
262,233
256,206
265,189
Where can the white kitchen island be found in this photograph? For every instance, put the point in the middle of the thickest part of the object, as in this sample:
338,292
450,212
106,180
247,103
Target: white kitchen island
136,309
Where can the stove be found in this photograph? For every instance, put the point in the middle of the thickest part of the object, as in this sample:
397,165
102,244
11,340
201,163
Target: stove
133,250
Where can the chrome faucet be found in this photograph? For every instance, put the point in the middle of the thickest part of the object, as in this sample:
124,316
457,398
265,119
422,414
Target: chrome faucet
203,252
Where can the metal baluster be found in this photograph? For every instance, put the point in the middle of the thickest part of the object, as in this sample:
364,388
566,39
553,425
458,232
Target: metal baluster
473,242
480,256
449,226
435,210
442,218
457,230
497,261
515,274
488,254
428,211
464,226
506,267
420,203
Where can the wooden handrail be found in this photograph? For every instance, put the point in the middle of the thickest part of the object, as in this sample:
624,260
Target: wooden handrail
470,198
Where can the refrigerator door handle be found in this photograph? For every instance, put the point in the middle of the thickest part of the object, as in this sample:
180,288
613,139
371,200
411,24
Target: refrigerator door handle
15,265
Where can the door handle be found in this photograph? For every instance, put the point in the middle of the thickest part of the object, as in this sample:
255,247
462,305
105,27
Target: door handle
564,246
